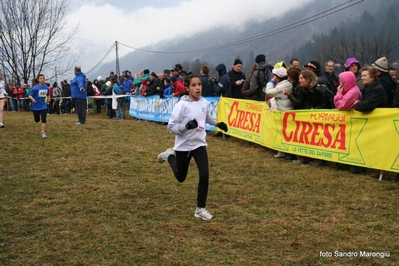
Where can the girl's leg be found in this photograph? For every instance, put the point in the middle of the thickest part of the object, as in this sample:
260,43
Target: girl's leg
201,159
179,164
43,114
36,116
1,111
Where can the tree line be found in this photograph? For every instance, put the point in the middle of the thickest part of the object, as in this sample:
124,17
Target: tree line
368,39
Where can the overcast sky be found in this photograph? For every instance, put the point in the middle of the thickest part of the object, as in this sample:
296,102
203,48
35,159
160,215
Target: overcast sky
139,23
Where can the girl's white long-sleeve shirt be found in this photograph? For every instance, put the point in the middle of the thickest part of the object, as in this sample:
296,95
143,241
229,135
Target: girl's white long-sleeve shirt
184,111
3,92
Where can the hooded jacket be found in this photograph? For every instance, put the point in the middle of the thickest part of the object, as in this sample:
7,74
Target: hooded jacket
277,91
184,111
223,87
345,99
79,82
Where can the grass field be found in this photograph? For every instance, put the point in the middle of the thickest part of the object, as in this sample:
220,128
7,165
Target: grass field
96,195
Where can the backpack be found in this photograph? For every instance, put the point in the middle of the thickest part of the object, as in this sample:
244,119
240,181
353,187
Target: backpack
264,76
90,91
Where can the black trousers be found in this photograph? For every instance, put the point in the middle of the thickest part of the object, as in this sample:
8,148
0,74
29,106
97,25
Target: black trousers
180,164
98,104
81,107
57,107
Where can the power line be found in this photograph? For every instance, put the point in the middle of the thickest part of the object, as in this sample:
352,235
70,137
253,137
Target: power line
102,59
293,25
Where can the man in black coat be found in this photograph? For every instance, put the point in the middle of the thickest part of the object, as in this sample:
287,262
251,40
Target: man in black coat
237,79
385,79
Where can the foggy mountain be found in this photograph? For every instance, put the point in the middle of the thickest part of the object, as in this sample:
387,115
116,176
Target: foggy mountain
276,47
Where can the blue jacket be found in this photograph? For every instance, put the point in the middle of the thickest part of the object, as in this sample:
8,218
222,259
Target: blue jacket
168,91
79,82
223,87
125,85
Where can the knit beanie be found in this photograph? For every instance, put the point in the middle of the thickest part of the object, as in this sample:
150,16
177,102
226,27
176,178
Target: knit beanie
260,58
237,61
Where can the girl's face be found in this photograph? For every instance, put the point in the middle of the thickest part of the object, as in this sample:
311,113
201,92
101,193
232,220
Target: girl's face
194,89
42,80
303,82
366,78
354,68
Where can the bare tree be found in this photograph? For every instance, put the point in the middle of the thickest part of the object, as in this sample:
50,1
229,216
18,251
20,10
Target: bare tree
33,38
366,48
196,67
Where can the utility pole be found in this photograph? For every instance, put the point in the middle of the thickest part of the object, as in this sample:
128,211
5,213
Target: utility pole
117,60
56,75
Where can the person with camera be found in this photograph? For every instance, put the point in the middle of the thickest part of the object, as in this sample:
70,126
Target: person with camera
222,86
187,122
207,87
237,79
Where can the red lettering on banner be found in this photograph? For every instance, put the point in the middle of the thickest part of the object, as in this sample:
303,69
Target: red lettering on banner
315,134
243,119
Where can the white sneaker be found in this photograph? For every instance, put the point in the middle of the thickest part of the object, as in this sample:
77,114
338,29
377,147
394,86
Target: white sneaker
163,156
202,213
1,125
279,155
43,135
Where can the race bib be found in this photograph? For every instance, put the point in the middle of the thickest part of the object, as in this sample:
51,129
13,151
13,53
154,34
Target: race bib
42,93
201,124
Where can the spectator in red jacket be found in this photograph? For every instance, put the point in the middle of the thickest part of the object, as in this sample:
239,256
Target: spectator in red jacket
19,95
178,86
50,100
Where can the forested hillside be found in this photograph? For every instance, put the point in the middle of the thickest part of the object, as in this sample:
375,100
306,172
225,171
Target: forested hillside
367,39
365,30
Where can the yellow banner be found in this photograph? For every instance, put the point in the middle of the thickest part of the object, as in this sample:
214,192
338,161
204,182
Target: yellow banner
363,139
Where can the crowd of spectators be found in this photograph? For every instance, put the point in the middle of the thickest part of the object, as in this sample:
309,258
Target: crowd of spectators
282,87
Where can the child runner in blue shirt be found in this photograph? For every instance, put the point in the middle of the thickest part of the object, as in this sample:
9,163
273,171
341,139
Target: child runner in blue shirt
38,96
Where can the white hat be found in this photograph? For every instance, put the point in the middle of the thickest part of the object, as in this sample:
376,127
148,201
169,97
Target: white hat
99,78
381,64
280,72
108,83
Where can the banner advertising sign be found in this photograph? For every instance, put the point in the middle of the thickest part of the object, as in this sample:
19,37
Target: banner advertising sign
368,140
158,109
